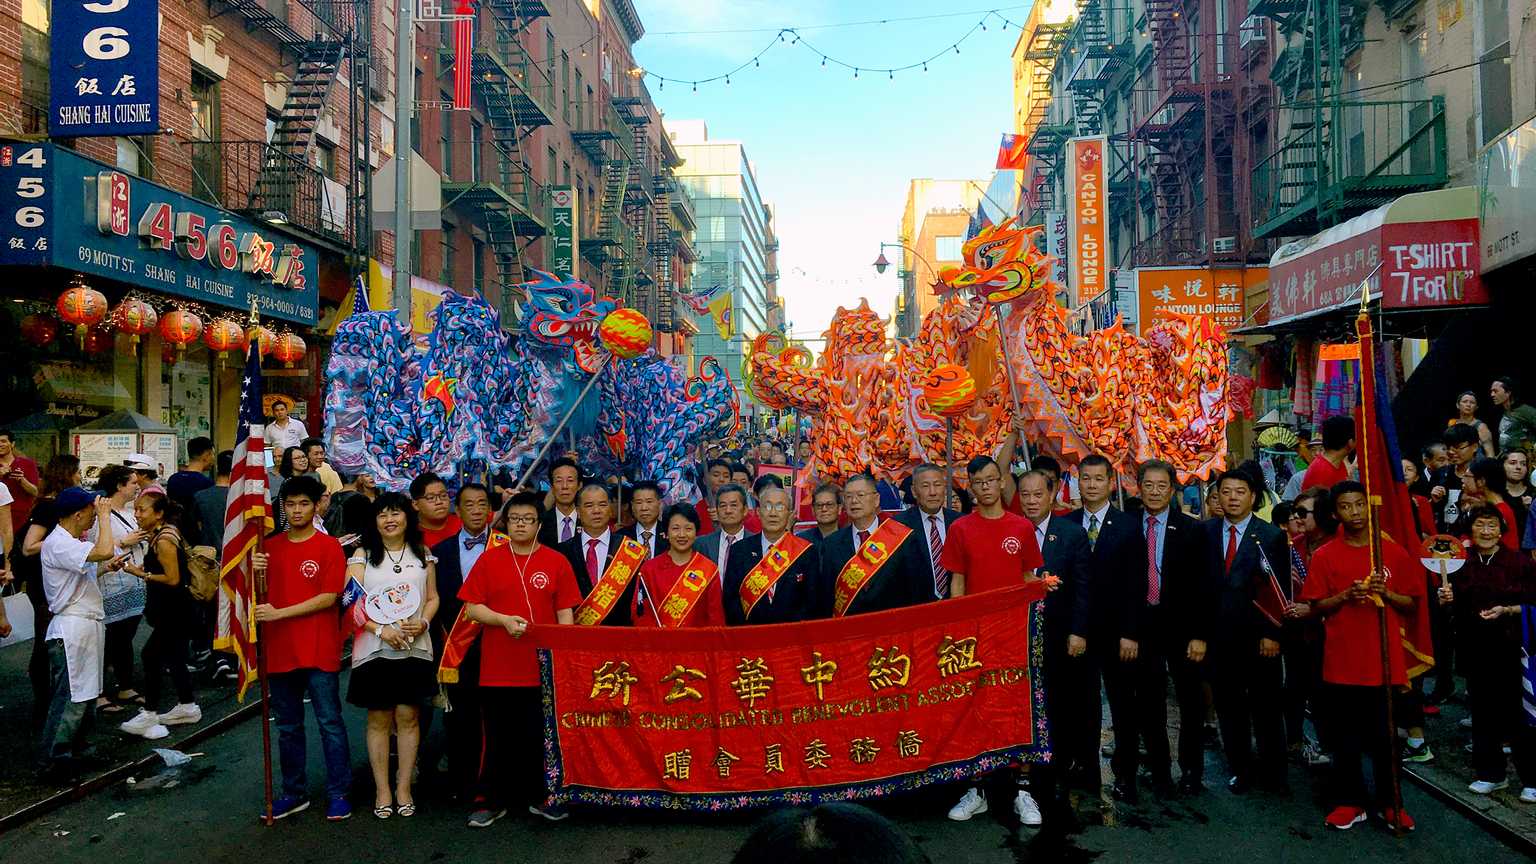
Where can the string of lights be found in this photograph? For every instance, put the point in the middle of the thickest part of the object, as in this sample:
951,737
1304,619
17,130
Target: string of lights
841,24
790,36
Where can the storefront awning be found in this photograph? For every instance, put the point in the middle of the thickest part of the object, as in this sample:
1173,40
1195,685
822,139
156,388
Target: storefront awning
1426,244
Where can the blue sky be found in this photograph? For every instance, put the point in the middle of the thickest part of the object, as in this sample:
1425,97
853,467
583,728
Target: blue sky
833,153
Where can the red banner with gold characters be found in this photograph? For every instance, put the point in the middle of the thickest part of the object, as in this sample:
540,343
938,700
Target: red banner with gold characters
728,718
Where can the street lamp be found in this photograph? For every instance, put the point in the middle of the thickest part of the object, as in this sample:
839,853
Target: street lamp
881,263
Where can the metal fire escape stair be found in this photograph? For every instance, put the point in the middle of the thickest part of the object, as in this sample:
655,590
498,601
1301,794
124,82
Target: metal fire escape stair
1087,79
293,140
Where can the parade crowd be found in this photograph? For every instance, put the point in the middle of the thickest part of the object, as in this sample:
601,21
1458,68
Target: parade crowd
1248,615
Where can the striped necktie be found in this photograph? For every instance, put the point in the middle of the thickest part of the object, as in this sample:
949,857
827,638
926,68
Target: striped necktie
936,550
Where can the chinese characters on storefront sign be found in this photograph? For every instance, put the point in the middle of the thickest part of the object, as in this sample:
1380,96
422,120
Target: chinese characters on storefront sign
1212,292
697,718
564,236
104,74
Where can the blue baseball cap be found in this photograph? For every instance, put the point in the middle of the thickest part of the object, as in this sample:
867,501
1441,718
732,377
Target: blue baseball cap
73,500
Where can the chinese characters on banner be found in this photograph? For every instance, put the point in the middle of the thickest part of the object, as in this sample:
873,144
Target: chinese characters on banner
1087,216
104,74
564,239
1216,293
822,710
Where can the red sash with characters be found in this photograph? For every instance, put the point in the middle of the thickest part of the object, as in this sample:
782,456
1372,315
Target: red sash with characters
594,610
865,563
760,581
462,636
675,608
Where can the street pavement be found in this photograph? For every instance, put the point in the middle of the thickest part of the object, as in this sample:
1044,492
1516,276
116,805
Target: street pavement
207,811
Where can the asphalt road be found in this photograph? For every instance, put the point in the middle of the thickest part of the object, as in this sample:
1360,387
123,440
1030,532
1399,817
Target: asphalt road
208,814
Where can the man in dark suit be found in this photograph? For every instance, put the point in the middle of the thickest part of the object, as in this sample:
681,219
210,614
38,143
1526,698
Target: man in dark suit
1070,705
1117,568
593,547
730,516
893,585
456,556
1242,552
787,599
827,510
929,520
559,522
1171,624
645,503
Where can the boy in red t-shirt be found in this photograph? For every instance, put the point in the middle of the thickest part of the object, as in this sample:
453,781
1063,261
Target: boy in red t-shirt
1341,588
305,572
510,587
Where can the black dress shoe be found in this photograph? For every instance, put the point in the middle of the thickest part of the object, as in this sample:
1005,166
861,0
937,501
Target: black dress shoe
1123,792
1238,785
1190,786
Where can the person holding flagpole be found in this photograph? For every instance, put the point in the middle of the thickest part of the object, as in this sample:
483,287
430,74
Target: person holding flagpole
682,587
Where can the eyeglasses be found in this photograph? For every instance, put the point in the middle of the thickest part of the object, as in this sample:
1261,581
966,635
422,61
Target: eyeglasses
435,497
1156,487
522,520
772,508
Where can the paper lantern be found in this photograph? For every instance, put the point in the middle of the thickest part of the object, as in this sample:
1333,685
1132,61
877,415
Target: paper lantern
950,390
97,341
289,349
135,318
264,339
626,333
224,335
82,306
181,328
39,330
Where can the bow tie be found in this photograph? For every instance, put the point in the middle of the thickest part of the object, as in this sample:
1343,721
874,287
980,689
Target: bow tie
472,542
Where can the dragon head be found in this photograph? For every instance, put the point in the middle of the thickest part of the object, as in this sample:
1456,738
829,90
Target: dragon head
564,313
1002,263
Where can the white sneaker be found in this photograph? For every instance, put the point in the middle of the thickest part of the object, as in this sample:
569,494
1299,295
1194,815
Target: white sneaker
971,805
1026,809
1465,722
141,723
185,713
1528,795
1483,787
156,732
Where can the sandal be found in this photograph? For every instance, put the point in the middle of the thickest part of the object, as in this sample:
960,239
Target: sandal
383,812
407,810
112,708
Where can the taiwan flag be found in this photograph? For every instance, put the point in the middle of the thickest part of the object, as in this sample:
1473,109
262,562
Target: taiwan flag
1011,155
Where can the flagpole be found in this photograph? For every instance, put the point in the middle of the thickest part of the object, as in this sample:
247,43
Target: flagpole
257,590
1013,386
569,412
1373,533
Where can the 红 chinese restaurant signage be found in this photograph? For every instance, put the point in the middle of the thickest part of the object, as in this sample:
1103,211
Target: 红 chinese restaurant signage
104,69
60,208
1216,293
1087,217
822,710
564,239
1427,245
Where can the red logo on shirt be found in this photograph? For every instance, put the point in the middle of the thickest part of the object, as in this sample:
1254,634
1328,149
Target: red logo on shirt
1011,545
310,569
539,580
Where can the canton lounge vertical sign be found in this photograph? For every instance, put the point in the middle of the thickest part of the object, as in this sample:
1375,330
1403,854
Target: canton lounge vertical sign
104,78
1087,217
565,242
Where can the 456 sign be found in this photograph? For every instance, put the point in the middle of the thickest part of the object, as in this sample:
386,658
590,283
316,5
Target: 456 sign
105,70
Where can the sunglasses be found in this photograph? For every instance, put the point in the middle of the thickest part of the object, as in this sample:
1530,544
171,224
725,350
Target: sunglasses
1300,513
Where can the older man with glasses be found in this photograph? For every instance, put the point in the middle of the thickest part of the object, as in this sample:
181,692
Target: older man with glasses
868,566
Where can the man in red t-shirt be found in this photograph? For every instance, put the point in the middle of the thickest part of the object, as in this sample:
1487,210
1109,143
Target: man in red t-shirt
1342,588
989,549
510,587
434,513
305,572
1328,468
19,474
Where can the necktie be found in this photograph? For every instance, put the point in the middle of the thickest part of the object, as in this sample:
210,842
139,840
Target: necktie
592,559
565,529
472,542
725,550
1231,545
863,538
1154,588
1093,530
936,549
646,535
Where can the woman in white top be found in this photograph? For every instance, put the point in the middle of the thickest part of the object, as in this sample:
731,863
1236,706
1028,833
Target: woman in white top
392,670
123,593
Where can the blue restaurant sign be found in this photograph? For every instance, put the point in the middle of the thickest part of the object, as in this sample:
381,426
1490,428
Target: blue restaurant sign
104,69
59,208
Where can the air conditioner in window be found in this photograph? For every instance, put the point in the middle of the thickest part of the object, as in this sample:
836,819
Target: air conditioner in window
1224,245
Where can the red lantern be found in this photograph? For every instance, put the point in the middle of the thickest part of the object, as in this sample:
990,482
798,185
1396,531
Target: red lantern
264,339
181,328
289,348
224,335
82,306
98,341
39,330
135,318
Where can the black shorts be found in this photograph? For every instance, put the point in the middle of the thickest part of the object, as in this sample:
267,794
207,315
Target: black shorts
382,683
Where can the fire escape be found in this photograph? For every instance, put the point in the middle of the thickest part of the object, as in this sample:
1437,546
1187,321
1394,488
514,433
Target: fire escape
602,133
1341,155
664,243
635,274
281,181
518,98
1045,140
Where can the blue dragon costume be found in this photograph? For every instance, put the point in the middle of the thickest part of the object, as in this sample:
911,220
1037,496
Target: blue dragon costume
471,399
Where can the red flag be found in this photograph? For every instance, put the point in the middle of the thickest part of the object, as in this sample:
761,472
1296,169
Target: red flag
1011,153
247,516
1381,468
463,48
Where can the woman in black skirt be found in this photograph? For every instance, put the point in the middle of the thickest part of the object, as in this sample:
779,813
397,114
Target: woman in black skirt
392,668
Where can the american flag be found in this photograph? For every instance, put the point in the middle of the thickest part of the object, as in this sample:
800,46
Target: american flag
247,516
462,48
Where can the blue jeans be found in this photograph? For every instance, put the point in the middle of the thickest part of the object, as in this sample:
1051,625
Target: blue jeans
288,690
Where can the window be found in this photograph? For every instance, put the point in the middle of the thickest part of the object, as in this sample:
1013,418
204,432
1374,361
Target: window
1416,91
446,239
446,132
580,97
947,248
1493,86
34,66
416,117
550,166
271,127
565,86
476,138
325,159
478,266
565,173
205,128
133,156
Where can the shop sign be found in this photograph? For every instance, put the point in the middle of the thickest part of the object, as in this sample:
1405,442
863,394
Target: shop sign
1087,216
1056,244
104,74
564,231
81,215
1216,293
1506,175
